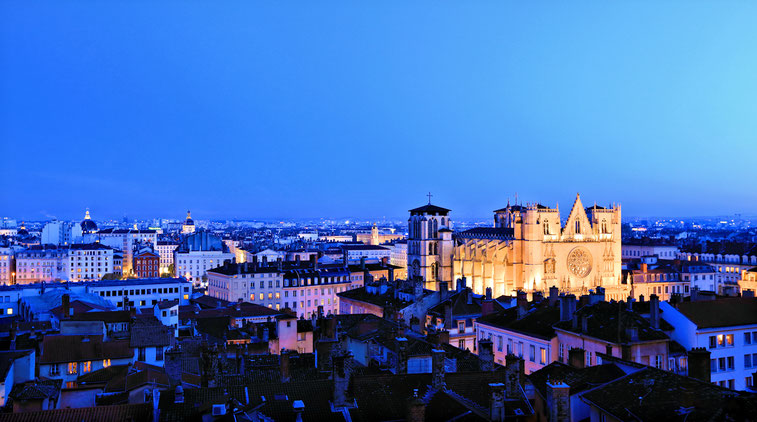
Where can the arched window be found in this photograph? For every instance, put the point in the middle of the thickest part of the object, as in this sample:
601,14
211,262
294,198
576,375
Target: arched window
546,226
578,227
436,229
430,228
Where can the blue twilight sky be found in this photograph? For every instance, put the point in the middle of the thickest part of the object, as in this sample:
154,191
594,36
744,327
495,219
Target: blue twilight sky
306,109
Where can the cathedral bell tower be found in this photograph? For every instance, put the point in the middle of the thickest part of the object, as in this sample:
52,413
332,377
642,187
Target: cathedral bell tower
429,245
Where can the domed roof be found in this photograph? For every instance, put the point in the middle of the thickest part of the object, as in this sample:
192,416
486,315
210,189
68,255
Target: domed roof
22,231
189,221
87,225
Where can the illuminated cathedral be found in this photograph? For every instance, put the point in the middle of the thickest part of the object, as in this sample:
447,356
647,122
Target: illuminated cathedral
528,248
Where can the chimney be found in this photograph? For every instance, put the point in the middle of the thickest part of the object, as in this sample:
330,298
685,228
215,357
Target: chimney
558,401
255,262
238,306
437,369
486,355
279,264
341,377
314,262
522,303
554,295
584,324
699,364
172,365
284,363
537,297
654,311
66,305
179,394
497,402
443,290
13,336
487,307
565,307
329,328
644,267
401,355
514,376
297,259
323,350
469,296
265,260
629,303
416,409
576,357
298,406
345,257
448,315
391,275
597,296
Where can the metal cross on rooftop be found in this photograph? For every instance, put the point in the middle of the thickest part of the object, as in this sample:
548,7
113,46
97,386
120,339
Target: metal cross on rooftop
429,198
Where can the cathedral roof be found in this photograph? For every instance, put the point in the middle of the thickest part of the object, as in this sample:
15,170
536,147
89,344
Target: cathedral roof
429,209
487,233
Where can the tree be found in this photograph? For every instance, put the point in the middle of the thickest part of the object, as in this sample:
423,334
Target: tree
111,276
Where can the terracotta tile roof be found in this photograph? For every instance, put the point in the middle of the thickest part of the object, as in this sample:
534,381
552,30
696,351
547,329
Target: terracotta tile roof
63,349
579,379
652,394
36,390
149,332
125,412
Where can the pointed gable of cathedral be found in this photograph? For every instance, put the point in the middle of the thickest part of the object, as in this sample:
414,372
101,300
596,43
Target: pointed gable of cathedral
577,219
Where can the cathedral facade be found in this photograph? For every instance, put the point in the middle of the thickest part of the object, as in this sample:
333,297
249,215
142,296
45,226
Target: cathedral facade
530,249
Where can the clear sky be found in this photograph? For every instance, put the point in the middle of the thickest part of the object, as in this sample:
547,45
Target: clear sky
358,108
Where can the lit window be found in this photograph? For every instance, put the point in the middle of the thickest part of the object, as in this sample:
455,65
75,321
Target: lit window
106,363
72,368
9,311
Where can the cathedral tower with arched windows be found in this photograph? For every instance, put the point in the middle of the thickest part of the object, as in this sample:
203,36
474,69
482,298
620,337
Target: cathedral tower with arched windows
429,245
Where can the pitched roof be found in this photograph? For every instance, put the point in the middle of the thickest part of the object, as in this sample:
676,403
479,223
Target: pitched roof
430,209
80,348
487,233
124,412
149,332
579,379
36,390
653,394
723,312
608,321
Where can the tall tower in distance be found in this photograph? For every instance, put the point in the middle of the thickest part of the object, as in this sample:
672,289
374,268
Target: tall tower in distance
429,245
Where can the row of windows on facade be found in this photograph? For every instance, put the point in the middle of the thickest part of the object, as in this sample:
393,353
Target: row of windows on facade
728,363
432,232
727,340
311,292
118,293
517,349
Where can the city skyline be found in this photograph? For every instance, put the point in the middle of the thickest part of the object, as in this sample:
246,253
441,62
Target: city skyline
270,112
